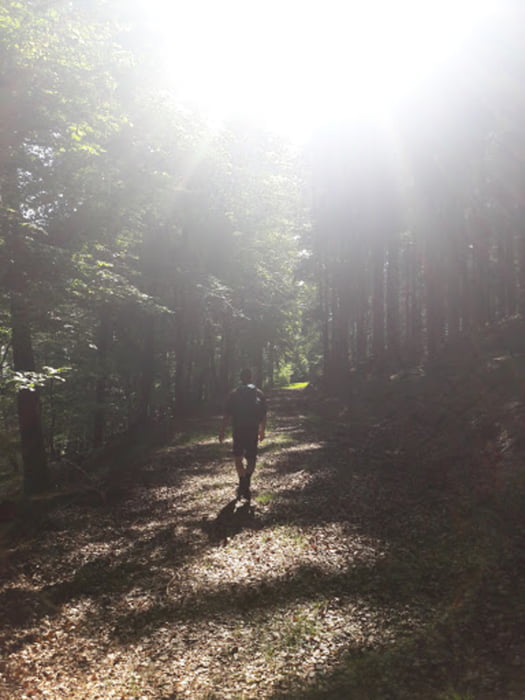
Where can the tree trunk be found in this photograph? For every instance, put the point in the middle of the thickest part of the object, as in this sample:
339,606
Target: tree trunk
325,323
455,255
225,367
481,293
36,474
378,305
101,386
392,302
182,372
340,369
259,366
434,284
271,364
147,369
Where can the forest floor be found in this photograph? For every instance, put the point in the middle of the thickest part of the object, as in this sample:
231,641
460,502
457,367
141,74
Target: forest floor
357,572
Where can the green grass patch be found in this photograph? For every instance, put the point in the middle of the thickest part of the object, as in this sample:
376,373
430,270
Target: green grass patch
197,436
296,385
290,535
264,498
276,441
295,629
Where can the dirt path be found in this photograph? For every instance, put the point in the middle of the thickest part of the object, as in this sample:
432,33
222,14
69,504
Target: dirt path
173,591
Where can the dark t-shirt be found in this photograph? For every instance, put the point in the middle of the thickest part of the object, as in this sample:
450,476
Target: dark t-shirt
238,406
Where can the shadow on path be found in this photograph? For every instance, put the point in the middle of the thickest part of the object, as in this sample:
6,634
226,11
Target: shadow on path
232,518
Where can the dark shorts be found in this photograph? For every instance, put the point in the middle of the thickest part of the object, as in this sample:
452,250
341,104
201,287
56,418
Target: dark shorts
245,442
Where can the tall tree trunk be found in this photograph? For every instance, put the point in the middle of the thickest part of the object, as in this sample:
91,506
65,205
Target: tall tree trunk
182,372
325,322
481,292
414,315
455,271
378,304
36,474
434,284
101,385
148,368
520,245
226,359
259,365
393,330
271,364
360,294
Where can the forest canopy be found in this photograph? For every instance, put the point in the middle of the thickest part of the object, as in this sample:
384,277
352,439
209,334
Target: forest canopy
188,189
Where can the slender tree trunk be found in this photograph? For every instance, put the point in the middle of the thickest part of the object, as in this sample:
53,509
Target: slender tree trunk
520,246
455,269
378,305
361,332
325,323
271,364
36,474
259,366
101,385
392,302
147,369
481,287
434,285
225,371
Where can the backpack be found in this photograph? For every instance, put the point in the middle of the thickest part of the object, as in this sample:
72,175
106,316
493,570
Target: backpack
247,406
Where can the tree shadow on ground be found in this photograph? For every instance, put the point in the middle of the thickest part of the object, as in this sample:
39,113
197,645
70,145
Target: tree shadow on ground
314,486
376,585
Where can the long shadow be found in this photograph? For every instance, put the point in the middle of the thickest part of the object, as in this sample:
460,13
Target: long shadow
338,490
230,521
107,575
380,585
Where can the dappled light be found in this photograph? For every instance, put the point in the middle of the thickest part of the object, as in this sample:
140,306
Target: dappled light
262,350
326,566
172,575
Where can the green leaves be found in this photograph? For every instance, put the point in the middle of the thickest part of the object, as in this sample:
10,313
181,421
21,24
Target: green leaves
31,381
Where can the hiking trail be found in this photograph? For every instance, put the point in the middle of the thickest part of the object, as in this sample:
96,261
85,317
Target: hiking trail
171,590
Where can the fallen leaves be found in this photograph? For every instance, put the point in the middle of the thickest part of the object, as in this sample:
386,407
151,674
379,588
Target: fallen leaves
137,600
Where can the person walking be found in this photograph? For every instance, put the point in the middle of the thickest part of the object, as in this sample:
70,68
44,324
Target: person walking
245,409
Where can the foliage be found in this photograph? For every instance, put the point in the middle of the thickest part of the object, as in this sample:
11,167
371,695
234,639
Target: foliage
156,254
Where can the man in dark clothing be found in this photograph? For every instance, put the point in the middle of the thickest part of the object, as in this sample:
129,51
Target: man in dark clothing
246,410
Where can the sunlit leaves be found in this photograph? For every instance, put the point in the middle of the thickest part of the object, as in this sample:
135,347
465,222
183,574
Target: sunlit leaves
31,381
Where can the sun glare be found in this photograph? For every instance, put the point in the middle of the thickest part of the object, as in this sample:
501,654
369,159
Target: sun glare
292,65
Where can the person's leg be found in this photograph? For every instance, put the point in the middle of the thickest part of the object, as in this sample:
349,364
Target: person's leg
238,452
250,466
241,471
251,458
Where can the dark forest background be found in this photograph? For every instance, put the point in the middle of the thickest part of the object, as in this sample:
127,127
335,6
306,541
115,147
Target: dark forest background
146,256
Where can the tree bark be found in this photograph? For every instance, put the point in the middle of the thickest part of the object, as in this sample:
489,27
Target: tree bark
392,301
147,369
36,474
103,343
378,304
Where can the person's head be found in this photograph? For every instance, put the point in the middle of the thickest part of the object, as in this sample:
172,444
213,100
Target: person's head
246,376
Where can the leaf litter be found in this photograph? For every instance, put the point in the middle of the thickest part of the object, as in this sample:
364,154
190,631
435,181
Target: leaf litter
170,592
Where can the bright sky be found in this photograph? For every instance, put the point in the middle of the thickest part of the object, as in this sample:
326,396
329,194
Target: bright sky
290,64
